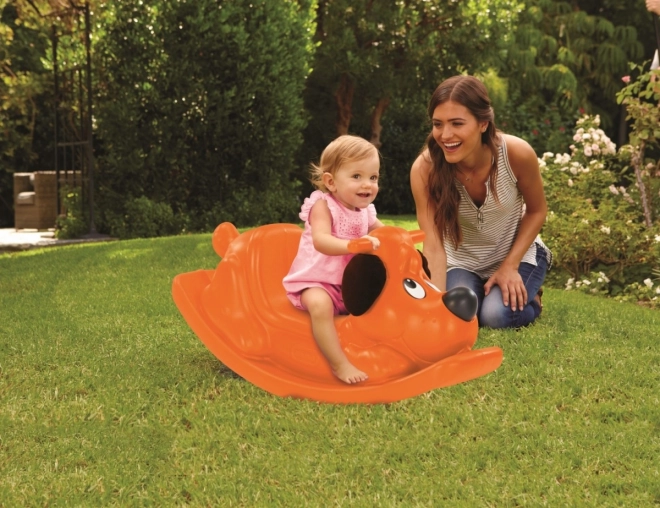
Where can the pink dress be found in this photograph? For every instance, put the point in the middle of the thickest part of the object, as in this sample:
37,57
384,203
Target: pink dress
311,268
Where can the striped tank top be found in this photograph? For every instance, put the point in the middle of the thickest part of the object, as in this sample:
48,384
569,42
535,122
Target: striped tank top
490,229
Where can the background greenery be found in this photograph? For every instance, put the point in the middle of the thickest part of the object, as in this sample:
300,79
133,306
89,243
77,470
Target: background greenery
108,398
215,109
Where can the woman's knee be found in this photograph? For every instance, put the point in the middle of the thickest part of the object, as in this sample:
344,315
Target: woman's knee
493,312
463,278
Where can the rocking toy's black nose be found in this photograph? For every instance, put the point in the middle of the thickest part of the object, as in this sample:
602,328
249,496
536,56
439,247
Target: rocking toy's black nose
462,302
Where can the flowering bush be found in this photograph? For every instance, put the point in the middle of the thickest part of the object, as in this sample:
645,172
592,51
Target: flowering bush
596,227
641,99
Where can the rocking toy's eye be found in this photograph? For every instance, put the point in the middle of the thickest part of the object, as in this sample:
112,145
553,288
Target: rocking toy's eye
433,286
414,288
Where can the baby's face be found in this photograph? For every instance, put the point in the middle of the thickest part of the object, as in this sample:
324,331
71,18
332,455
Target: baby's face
355,184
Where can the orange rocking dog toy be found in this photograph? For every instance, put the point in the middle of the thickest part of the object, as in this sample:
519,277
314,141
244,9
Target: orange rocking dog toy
407,335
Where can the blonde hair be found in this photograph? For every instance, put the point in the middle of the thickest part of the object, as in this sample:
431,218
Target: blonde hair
343,150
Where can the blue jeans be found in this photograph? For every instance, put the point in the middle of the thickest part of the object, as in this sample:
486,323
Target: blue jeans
491,311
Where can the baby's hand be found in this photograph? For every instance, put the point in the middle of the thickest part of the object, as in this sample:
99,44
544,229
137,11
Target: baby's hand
375,242
363,244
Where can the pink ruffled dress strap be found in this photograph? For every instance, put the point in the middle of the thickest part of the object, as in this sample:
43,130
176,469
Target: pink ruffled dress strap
371,215
309,202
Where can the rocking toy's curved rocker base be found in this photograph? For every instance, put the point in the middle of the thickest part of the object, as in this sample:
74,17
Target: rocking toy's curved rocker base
408,344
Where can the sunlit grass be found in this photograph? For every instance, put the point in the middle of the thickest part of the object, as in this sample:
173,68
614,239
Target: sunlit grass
108,398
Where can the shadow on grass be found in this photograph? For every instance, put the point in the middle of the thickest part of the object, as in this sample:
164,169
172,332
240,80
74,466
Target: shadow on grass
207,362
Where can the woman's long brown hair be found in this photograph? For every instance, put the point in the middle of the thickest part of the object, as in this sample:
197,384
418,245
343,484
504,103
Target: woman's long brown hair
443,193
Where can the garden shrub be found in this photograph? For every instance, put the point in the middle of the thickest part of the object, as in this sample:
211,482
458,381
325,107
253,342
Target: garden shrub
201,107
595,224
144,218
72,223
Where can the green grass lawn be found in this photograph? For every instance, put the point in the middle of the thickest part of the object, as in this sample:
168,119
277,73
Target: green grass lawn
108,398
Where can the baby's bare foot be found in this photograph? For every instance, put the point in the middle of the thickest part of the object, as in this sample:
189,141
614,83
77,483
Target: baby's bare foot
349,374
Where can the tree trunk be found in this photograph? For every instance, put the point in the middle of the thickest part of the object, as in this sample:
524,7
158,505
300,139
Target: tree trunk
637,162
376,116
344,98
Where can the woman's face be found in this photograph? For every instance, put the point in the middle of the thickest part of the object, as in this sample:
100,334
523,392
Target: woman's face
457,131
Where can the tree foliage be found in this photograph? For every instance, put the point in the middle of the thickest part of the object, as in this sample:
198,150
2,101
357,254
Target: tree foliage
572,58
215,109
377,64
25,95
200,106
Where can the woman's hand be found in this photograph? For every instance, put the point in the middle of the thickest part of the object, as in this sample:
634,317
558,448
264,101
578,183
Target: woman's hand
514,293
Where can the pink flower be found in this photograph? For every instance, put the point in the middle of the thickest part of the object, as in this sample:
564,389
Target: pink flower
626,79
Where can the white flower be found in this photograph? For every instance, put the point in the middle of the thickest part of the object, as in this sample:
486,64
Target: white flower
603,276
648,283
586,282
656,238
657,290
587,151
585,136
577,137
542,163
574,170
605,230
562,158
548,155
570,182
585,221
614,190
595,148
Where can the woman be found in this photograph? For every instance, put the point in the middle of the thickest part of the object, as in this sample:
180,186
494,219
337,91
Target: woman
479,198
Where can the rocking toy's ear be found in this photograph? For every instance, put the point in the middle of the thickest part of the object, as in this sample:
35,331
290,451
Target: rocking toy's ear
362,282
425,264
